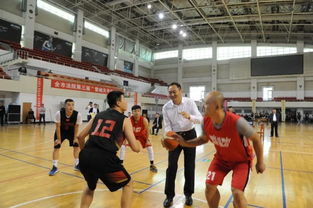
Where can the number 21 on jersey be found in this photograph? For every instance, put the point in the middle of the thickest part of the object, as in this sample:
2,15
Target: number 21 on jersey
210,176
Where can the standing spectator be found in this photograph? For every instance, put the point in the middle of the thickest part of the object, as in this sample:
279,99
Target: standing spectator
88,107
146,116
157,124
94,110
299,118
274,119
180,114
42,114
30,115
2,113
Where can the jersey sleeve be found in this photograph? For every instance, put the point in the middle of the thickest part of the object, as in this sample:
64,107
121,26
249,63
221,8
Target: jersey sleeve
79,120
244,128
57,118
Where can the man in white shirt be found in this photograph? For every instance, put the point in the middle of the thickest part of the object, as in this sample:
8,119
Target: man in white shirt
67,122
88,107
180,114
274,119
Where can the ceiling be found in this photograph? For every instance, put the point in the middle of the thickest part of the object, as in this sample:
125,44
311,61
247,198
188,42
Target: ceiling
224,21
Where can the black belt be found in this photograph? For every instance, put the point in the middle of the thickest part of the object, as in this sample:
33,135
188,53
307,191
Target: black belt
184,133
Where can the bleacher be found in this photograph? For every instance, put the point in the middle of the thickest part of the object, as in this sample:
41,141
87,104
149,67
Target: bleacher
67,61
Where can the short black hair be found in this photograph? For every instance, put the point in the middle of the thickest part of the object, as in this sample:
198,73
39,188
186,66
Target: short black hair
68,100
176,84
113,97
135,107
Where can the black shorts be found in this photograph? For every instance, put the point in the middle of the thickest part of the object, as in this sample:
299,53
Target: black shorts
95,163
69,137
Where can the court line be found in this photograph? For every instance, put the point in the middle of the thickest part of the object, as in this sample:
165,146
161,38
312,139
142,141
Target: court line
286,169
228,201
295,152
282,181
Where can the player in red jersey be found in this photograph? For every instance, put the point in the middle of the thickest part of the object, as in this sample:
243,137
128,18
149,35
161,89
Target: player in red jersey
230,134
141,132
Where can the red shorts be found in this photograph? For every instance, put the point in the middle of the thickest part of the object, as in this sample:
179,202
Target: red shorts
143,141
218,169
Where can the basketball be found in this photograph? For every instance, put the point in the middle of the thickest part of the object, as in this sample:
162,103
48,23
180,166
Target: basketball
169,141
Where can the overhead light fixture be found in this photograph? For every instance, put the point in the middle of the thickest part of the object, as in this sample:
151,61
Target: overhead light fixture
174,26
184,34
181,32
158,44
149,6
161,15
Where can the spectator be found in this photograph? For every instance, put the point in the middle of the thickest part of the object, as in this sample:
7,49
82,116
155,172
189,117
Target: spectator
94,110
2,113
42,114
31,116
146,116
157,124
88,107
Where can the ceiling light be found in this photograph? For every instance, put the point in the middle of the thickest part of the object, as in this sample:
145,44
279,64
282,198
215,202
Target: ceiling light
149,6
181,32
161,15
184,34
174,26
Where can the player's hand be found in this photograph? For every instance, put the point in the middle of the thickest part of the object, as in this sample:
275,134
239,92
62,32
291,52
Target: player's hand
75,140
58,141
260,167
163,144
185,115
180,139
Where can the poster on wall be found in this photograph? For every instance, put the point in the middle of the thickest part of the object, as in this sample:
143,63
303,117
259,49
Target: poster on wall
94,57
10,31
52,44
128,66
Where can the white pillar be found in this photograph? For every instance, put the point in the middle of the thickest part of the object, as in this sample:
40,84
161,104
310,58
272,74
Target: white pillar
300,47
29,17
253,48
180,65
300,88
254,89
112,49
78,35
136,58
214,66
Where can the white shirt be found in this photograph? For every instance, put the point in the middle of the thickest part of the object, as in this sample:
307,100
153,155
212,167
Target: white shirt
57,118
95,110
173,121
274,117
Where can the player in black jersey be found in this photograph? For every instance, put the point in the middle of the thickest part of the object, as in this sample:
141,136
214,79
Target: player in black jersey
67,122
98,158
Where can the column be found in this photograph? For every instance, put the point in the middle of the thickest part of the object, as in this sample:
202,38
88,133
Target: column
112,49
136,59
254,89
253,48
78,35
214,66
29,17
180,65
300,88
300,47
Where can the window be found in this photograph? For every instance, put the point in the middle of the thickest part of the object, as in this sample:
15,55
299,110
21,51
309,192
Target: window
267,93
197,92
307,50
54,10
272,50
166,54
197,53
232,52
88,25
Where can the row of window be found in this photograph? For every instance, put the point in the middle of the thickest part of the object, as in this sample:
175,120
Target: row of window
228,52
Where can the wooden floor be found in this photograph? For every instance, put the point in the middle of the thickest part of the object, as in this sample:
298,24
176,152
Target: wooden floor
25,159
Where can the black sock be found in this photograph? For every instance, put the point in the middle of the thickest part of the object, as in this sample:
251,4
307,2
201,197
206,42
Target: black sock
151,162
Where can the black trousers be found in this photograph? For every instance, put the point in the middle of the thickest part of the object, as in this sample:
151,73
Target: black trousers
189,164
2,119
155,128
88,117
43,117
274,127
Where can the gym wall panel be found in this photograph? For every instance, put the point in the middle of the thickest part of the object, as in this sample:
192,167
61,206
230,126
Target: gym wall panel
143,71
12,6
279,86
187,85
308,85
223,71
308,63
95,38
239,69
53,21
197,71
234,87
166,61
168,75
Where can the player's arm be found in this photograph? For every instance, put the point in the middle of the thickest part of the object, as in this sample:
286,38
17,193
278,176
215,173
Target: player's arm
79,121
245,129
203,139
82,135
129,134
146,124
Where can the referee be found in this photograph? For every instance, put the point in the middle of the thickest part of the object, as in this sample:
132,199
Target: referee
180,114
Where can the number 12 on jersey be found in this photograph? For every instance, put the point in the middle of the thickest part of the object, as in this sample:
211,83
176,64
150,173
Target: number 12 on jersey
108,126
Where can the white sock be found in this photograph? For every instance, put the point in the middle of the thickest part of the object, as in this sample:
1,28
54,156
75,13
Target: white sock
150,153
76,161
122,152
55,163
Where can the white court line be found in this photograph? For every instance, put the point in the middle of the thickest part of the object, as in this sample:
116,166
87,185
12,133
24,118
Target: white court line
29,146
295,152
97,190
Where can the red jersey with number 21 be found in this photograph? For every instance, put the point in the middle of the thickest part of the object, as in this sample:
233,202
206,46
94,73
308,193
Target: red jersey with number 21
229,144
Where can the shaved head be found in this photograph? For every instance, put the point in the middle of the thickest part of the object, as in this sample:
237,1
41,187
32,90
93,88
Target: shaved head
213,102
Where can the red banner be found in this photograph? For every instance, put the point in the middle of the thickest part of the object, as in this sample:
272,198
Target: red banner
79,87
39,95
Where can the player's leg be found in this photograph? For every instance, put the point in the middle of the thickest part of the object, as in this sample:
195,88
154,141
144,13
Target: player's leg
76,150
153,168
240,178
55,157
122,152
127,194
215,176
212,195
87,198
